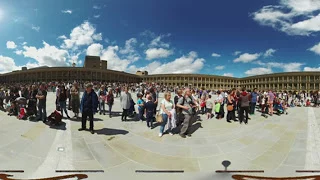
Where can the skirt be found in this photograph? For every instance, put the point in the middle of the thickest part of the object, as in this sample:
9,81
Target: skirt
75,105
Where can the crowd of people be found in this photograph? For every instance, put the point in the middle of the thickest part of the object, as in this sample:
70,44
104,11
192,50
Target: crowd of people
174,115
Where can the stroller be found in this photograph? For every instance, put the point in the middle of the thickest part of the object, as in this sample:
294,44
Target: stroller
132,111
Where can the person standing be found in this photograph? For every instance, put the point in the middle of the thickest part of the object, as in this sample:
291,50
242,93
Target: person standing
125,100
110,101
253,102
42,104
167,107
140,103
75,100
88,107
62,98
231,102
244,105
186,104
270,102
102,99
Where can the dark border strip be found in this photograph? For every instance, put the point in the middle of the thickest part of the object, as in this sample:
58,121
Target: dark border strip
11,171
253,171
79,171
308,171
159,171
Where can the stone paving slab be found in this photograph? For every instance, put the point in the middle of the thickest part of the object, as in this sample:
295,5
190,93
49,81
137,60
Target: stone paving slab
277,145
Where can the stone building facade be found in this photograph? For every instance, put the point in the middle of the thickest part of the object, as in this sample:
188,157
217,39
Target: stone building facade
96,70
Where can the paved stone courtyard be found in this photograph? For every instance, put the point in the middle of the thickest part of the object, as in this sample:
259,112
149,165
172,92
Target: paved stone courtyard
279,145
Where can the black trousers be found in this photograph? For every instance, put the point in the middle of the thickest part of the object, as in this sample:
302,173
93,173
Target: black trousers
241,115
84,119
124,114
231,115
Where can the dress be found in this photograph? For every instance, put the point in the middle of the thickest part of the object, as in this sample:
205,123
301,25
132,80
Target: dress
75,100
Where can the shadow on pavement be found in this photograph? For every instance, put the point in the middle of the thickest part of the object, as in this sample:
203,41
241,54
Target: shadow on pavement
61,126
108,131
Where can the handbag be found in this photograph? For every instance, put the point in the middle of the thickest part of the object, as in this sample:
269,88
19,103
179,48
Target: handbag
159,118
230,108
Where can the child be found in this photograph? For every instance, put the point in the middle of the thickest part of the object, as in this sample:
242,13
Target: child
217,109
202,104
149,110
209,106
140,103
22,113
285,107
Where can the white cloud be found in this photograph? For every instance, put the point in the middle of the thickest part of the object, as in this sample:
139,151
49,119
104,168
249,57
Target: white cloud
258,71
36,28
11,45
269,52
47,55
62,37
215,55
84,34
286,67
96,7
96,16
18,52
228,74
157,42
185,64
311,69
294,17
67,11
114,61
219,67
24,43
246,57
7,64
315,49
129,46
95,49
156,53
236,53
20,37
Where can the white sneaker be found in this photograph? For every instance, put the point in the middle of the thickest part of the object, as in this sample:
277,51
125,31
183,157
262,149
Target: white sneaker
171,133
160,134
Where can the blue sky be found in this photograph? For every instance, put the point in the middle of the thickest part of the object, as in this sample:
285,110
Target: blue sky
230,37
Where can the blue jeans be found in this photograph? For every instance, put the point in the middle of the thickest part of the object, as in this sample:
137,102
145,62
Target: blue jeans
63,107
42,112
141,114
252,107
102,107
164,122
110,108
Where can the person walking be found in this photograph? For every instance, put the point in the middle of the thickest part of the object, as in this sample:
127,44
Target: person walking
110,101
125,99
88,107
186,104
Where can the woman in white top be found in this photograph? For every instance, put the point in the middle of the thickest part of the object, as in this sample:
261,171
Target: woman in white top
167,111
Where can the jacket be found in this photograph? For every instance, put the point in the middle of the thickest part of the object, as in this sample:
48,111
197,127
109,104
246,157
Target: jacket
94,101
